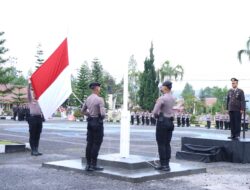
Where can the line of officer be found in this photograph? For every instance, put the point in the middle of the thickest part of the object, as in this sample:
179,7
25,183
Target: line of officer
94,109
163,111
235,106
35,122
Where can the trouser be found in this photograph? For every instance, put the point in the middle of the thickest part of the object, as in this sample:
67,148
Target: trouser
138,120
95,133
235,121
15,115
217,124
226,125
147,121
163,138
143,120
187,122
35,129
183,122
208,124
178,121
132,120
221,124
246,126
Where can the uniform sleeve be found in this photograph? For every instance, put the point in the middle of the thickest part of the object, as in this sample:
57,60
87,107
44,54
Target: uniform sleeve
157,107
84,109
242,100
102,108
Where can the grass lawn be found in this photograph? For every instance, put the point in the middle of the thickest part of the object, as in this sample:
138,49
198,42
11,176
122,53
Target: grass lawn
6,142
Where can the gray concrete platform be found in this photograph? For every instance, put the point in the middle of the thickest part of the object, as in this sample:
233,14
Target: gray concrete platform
136,173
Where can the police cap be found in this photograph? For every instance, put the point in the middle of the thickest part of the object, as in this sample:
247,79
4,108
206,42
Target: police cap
94,84
168,84
234,79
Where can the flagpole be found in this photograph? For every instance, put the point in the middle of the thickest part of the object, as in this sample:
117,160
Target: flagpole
77,97
125,119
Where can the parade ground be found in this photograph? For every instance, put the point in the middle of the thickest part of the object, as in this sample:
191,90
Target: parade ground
62,140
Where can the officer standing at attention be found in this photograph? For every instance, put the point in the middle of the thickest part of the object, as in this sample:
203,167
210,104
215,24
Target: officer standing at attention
94,109
163,111
235,106
35,122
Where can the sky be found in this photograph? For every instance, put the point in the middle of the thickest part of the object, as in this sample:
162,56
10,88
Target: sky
203,36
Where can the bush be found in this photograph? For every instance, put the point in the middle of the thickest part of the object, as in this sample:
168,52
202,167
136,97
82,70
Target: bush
193,119
78,113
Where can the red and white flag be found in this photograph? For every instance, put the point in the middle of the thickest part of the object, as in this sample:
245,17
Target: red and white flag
52,81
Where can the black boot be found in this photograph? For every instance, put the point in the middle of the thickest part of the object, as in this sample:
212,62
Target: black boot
38,153
95,166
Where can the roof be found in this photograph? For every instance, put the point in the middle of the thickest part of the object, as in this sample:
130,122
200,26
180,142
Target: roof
9,97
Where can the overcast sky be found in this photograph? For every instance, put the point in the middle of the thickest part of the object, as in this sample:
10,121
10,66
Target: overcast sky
203,36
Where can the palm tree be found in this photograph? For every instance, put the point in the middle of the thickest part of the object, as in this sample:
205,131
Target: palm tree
245,51
167,72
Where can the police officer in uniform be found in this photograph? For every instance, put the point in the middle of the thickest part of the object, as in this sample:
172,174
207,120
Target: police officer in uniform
208,118
35,122
217,120
163,111
235,106
183,119
94,109
138,118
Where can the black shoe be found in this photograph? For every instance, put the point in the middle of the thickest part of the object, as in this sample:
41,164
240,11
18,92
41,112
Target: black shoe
231,137
165,168
236,138
159,167
39,153
34,153
89,168
97,168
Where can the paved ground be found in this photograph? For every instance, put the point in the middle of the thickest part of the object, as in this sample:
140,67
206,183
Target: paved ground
66,140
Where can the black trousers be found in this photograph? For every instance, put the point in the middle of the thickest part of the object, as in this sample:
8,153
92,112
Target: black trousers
94,140
132,120
187,122
208,124
217,126
143,120
183,122
147,121
235,121
137,120
163,138
35,129
178,121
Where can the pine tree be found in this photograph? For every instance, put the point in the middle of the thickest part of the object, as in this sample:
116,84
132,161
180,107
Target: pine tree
5,72
98,76
148,91
18,96
133,81
82,82
39,56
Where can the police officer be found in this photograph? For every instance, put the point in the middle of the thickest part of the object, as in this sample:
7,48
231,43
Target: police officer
235,106
187,116
246,122
163,111
143,118
208,118
35,122
217,120
226,121
147,115
221,121
94,109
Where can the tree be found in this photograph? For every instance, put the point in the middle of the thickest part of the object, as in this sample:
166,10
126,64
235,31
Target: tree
188,95
5,72
82,90
245,51
148,91
221,95
19,97
97,76
133,81
39,56
166,72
